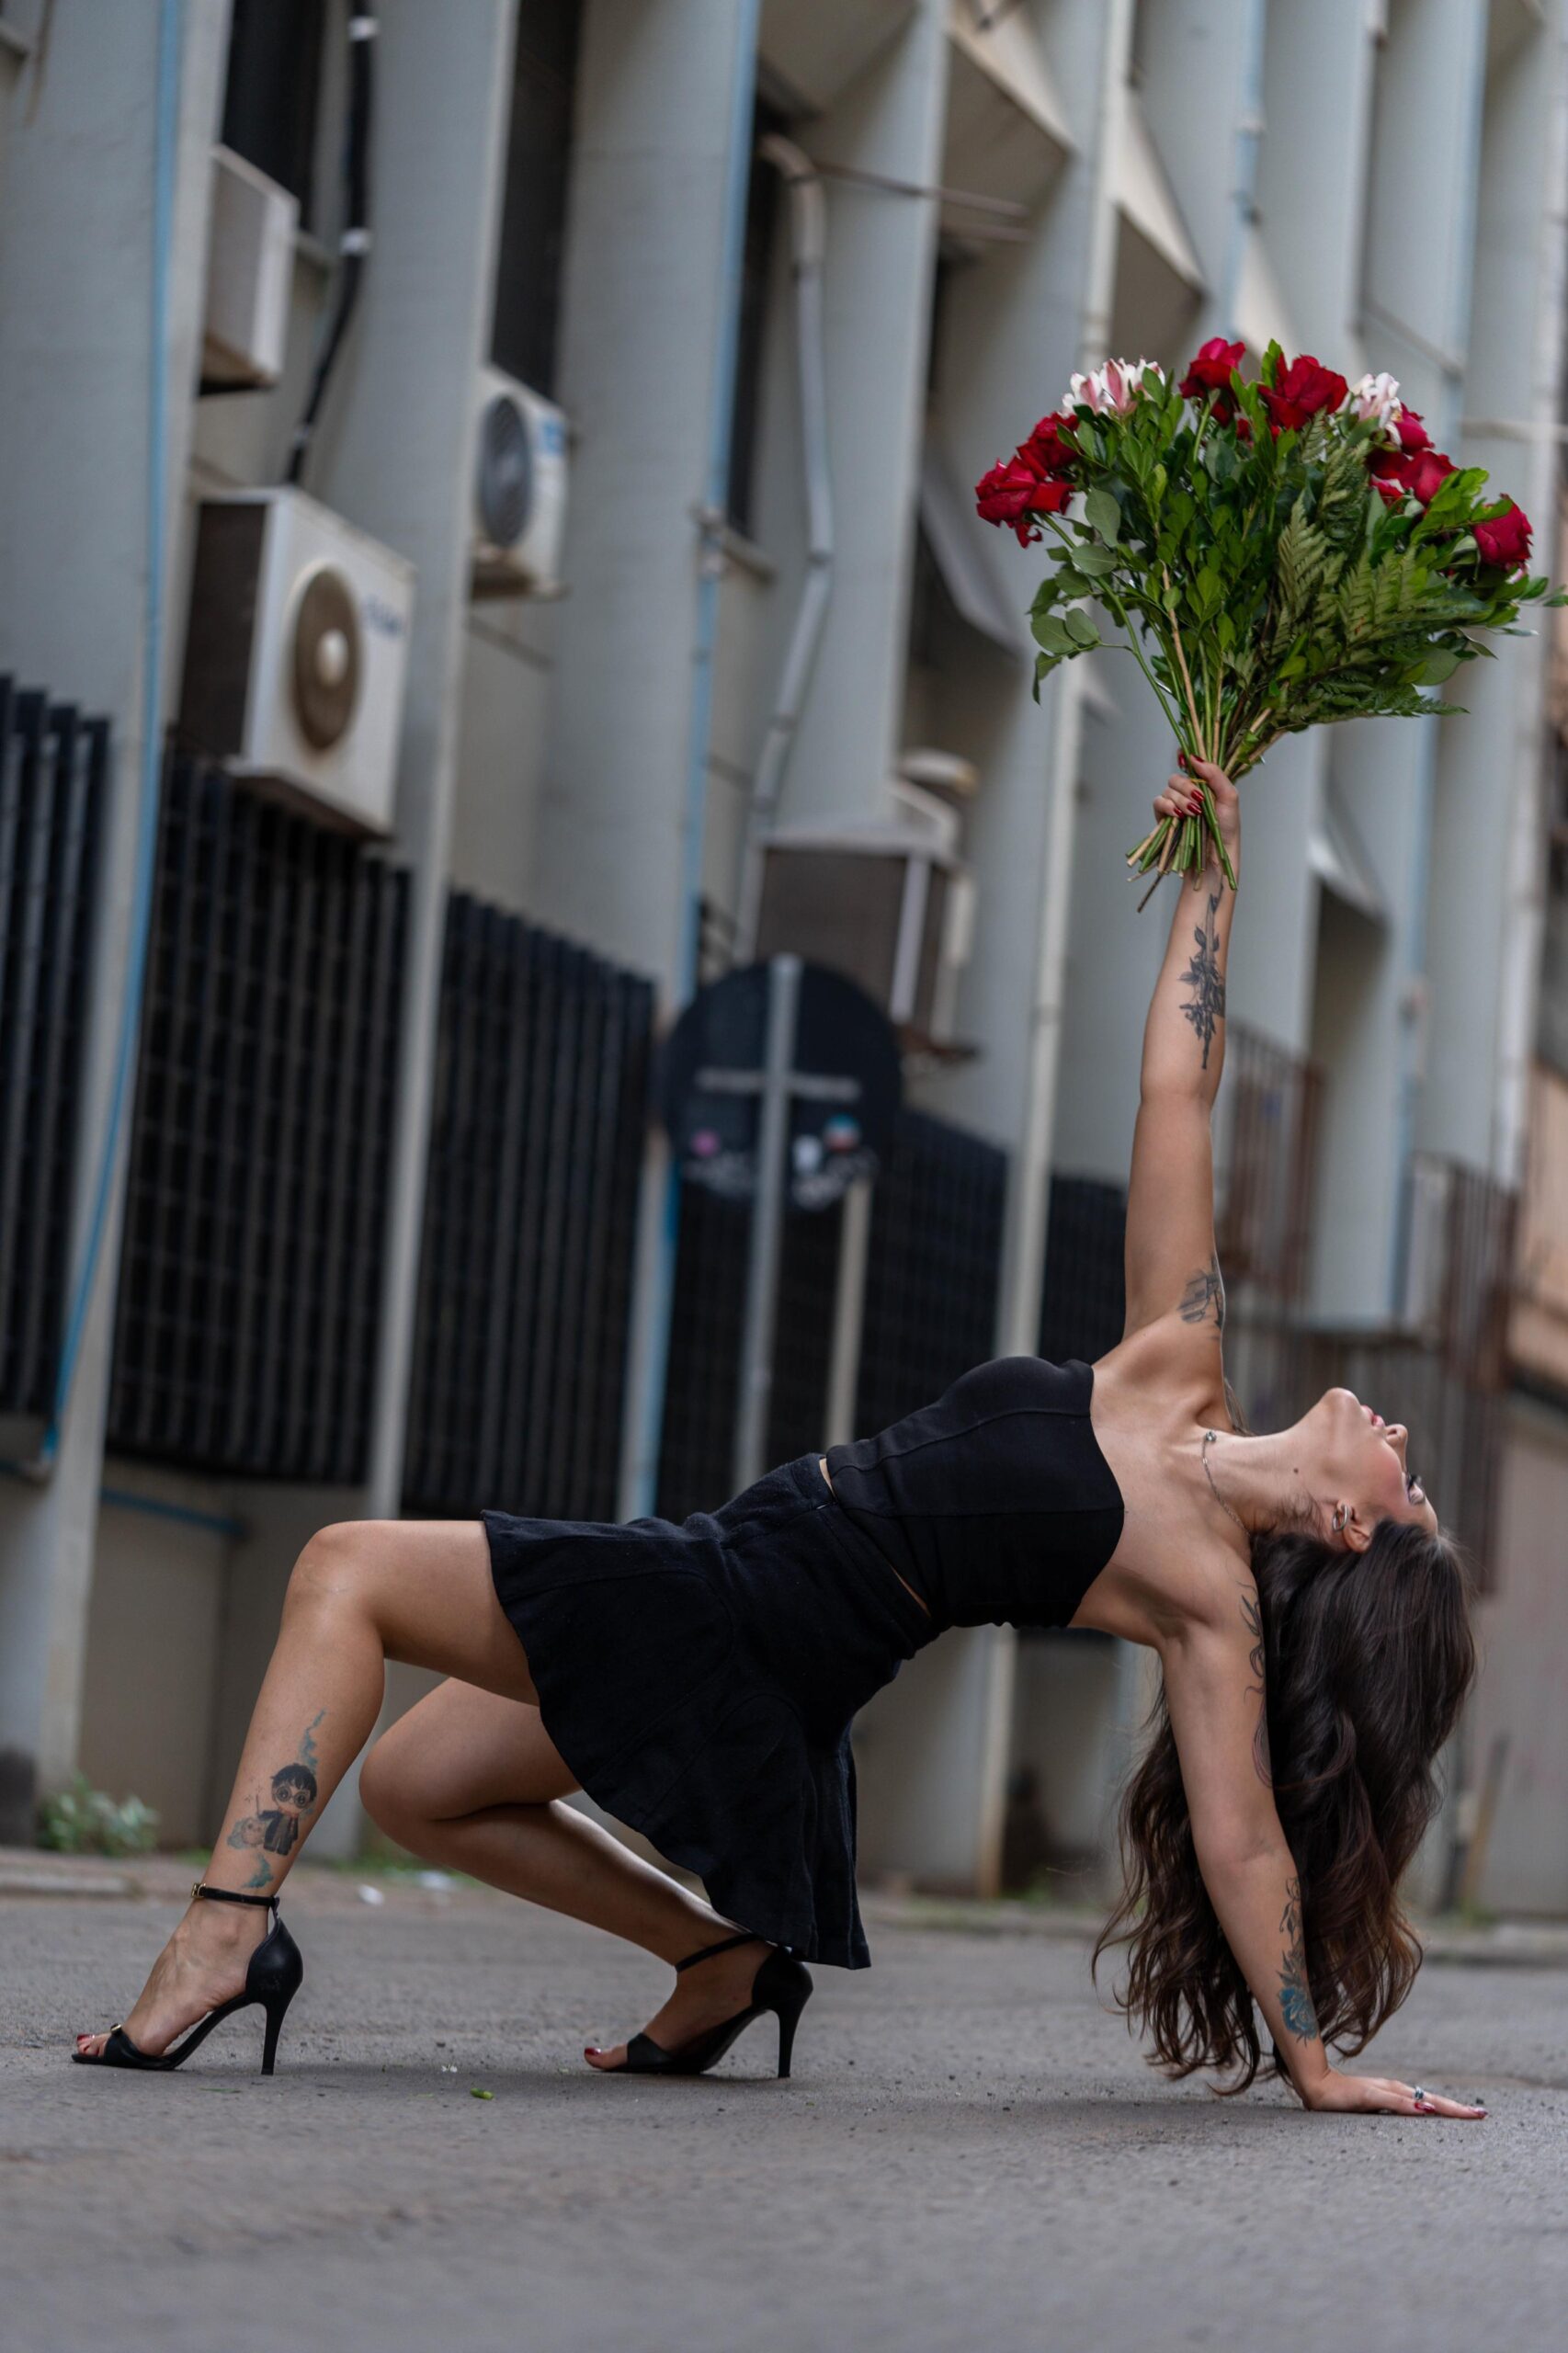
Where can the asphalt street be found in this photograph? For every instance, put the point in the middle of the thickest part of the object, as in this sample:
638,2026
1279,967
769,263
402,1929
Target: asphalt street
970,2152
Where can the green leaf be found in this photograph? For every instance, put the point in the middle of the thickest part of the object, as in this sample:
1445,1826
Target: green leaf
1441,664
1044,664
1080,628
1094,560
1103,515
1050,633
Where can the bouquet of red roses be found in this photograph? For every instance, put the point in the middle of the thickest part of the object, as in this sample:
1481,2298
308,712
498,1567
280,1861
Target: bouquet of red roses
1278,553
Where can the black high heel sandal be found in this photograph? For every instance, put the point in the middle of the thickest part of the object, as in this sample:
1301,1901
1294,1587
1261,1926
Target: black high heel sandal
276,1970
781,1989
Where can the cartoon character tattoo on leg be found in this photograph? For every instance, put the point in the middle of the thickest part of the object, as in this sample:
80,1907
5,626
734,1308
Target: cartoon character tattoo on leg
275,1829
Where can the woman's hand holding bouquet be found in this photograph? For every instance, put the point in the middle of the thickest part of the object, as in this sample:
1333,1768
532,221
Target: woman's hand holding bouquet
1278,553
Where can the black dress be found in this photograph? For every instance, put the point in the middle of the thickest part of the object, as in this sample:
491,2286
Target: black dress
700,1680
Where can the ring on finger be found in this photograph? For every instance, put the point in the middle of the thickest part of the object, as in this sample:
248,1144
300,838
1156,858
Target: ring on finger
1420,2093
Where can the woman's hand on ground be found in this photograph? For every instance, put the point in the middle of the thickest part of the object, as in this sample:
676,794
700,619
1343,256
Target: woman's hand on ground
1380,2095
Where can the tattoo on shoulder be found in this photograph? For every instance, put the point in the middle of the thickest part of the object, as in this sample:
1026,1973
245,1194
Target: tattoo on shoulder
1252,1618
1206,1007
1295,1994
281,1815
1205,1291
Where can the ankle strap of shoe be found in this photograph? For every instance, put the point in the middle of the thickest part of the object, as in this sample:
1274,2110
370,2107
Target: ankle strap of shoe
231,1895
725,1944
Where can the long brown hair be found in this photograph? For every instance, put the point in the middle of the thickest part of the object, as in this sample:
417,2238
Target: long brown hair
1368,1659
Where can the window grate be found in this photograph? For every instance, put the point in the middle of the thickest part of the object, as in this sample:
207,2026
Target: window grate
255,1212
52,770
530,1222
932,1267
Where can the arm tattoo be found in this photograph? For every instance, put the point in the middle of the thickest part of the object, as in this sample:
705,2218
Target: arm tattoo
1206,1008
1252,1618
276,1828
1205,1290
1295,1995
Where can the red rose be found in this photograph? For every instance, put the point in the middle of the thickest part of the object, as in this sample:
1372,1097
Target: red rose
1386,466
1506,539
1301,389
1012,492
1412,434
1210,371
1045,446
1423,475
1389,489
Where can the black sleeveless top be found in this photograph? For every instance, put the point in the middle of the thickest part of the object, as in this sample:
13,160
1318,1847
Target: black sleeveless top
996,1503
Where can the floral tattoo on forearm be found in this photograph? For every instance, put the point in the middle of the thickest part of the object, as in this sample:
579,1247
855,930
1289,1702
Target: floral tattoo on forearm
275,1829
1206,1007
1295,1994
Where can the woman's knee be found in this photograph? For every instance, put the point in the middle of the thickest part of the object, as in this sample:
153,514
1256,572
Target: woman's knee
335,1567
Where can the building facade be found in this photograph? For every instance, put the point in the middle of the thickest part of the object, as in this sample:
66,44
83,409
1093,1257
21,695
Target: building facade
337,1194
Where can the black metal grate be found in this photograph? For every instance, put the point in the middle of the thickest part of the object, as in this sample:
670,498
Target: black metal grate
531,1223
52,767
1084,1305
934,1259
930,1307
251,1268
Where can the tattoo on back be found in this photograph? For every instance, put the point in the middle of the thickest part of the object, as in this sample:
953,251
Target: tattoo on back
1205,1290
1206,1007
1252,1618
277,1828
1295,1994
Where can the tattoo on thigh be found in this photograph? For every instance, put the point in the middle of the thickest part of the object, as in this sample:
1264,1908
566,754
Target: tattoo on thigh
1252,1618
277,1828
1206,1007
1205,1291
1295,1994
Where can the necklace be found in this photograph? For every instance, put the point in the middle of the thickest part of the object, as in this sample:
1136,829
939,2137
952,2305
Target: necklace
1210,1438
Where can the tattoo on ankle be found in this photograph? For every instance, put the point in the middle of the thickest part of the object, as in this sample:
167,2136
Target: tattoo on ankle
1206,1008
1295,1994
275,1829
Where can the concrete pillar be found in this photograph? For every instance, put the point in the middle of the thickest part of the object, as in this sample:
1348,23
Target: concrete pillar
880,255
76,276
395,455
644,297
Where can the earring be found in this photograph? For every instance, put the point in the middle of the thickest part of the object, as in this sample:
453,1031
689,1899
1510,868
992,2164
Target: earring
1341,1514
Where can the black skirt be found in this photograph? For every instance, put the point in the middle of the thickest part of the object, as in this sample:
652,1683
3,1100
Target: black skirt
700,1681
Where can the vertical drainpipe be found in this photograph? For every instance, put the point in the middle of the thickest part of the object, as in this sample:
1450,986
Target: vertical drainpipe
1023,1261
649,1353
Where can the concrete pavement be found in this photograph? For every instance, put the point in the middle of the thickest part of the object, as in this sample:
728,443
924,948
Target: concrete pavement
970,2152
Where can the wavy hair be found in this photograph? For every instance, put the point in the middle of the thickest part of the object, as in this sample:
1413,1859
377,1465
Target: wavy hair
1369,1658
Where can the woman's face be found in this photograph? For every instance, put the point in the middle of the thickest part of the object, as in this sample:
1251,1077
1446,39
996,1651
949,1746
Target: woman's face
1356,1459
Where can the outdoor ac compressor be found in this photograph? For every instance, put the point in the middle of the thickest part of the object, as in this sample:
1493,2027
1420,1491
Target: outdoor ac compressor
297,653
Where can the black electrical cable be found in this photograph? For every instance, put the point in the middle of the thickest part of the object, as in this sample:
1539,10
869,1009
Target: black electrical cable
355,244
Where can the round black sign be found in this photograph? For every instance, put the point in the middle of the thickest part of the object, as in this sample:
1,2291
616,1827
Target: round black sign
844,1087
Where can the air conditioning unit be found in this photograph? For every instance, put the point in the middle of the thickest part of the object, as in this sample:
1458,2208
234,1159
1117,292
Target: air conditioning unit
296,653
889,903
519,490
250,266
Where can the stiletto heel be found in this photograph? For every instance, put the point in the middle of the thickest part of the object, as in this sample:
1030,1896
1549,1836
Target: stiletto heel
275,1975
781,1988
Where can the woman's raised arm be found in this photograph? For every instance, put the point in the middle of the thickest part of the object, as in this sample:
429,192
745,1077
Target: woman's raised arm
1172,1267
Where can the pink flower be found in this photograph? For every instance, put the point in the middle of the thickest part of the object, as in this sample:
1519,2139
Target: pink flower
1110,391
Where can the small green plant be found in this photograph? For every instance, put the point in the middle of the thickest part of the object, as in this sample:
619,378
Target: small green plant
84,1821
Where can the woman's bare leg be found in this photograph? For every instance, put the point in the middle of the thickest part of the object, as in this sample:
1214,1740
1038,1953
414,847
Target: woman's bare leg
475,1782
361,1592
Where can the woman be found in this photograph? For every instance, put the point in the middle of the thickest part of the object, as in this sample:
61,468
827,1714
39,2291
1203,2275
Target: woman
700,1681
